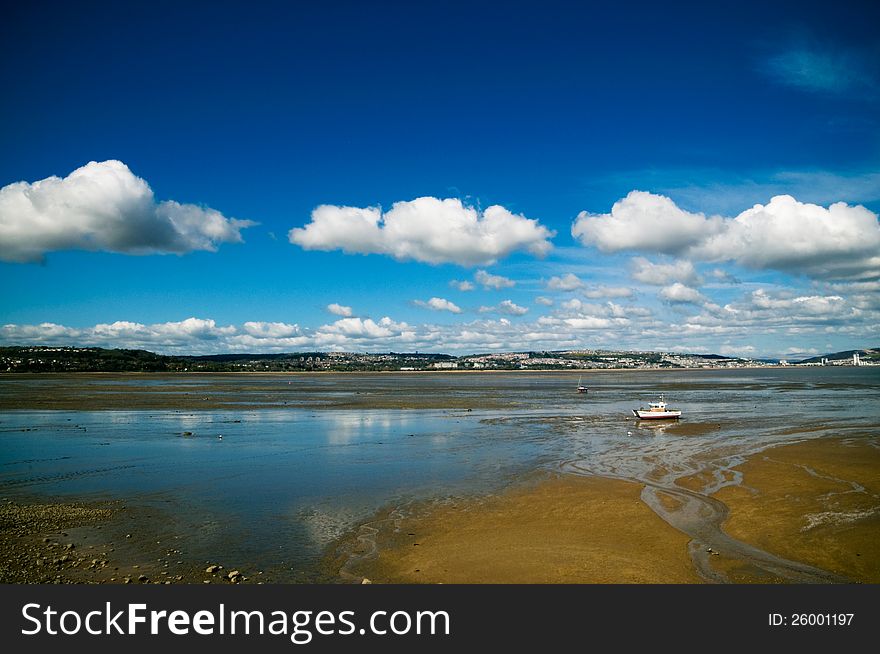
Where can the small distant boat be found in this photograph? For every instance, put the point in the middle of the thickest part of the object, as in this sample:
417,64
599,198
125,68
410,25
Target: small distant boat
581,387
657,411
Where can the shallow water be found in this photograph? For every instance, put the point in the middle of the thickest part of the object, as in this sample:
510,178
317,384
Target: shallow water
283,483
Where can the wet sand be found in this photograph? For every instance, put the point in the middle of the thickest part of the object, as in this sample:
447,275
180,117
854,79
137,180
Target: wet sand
815,503
237,391
616,502
252,390
565,529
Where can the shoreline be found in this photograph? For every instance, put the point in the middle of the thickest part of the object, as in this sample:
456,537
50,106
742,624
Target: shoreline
86,541
501,537
815,502
439,371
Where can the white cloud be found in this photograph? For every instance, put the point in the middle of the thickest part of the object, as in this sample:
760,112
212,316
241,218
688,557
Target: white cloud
816,305
567,282
723,277
644,221
426,229
359,328
785,234
270,330
660,274
775,312
507,307
186,334
589,322
462,285
339,310
439,304
104,206
576,305
487,280
841,241
678,293
782,320
801,353
737,350
545,301
576,308
608,291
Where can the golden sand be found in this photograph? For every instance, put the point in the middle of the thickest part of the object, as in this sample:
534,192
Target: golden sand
562,530
817,502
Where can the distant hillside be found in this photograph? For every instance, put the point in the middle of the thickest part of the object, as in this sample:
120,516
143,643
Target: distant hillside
872,354
96,359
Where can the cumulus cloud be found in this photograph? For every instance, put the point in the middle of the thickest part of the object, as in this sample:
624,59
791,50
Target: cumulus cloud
506,307
782,319
462,285
816,305
777,312
544,301
270,330
567,282
361,328
426,229
439,304
678,293
166,336
723,277
785,234
644,221
576,308
737,350
487,280
841,241
660,274
608,291
339,310
104,206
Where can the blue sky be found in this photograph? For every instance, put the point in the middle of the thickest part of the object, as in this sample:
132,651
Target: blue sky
217,128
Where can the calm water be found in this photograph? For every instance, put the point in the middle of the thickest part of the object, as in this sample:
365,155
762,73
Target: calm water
281,484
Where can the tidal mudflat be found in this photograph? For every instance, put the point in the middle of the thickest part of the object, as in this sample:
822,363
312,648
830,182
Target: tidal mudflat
772,476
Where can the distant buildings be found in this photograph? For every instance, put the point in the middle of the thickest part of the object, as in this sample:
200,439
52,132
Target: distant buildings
61,359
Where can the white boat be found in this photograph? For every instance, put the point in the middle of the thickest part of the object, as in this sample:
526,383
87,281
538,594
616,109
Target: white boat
657,411
581,387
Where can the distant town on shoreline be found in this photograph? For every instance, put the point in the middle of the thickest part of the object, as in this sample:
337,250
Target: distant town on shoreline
28,359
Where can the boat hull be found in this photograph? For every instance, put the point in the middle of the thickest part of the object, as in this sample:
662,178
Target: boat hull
656,415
